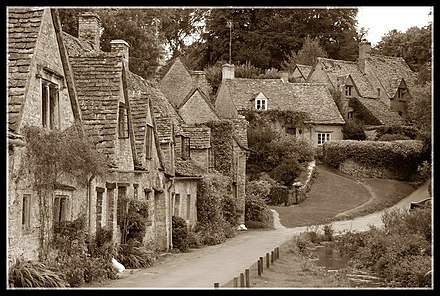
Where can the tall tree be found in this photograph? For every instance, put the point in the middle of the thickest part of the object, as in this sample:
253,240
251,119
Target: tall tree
265,37
180,27
415,46
307,55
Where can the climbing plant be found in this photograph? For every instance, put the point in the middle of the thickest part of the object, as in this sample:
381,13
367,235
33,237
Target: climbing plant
52,154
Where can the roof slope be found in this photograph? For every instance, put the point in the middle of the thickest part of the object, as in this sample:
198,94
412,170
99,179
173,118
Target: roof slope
312,98
188,168
22,33
98,80
339,68
200,136
379,110
304,69
390,71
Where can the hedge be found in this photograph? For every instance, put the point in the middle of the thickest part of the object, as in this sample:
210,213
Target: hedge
406,154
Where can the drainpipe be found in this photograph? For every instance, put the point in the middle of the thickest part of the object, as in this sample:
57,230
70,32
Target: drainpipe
89,197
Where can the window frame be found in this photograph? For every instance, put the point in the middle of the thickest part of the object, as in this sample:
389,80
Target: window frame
50,104
348,90
260,102
61,207
26,211
327,137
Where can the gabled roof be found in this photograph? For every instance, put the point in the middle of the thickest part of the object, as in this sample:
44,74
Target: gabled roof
390,71
304,70
338,68
22,33
204,97
314,99
98,80
379,110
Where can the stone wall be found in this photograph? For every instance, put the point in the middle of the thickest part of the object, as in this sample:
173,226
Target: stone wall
186,206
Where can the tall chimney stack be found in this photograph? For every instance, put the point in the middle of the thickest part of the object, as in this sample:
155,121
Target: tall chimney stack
122,47
228,71
89,26
364,53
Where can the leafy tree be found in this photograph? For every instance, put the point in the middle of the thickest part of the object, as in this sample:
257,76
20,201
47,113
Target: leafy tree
266,36
307,55
415,46
177,25
353,131
420,108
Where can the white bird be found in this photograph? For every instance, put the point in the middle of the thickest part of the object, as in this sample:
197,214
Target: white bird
119,267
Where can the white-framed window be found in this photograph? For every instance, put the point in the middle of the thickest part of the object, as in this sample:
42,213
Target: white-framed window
324,137
260,102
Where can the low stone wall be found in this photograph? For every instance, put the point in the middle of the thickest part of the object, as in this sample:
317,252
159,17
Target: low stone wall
350,167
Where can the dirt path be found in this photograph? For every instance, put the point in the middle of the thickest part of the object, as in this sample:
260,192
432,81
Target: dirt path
201,268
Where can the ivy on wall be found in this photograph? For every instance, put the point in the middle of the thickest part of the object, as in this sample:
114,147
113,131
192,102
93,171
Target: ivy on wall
287,117
51,154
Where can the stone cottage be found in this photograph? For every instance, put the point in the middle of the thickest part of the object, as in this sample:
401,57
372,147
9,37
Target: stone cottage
374,89
39,95
323,121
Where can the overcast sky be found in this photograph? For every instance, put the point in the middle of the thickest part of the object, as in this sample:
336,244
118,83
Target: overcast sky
379,20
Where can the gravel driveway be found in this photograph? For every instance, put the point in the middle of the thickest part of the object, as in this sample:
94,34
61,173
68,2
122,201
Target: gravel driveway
201,268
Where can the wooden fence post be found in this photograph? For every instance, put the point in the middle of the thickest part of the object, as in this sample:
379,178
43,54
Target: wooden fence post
272,259
235,282
241,279
259,267
261,264
267,260
246,273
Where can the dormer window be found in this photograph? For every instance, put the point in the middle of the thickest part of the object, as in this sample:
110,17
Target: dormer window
401,94
260,102
348,90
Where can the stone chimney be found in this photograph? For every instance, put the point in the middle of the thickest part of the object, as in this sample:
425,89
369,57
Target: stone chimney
364,53
228,71
89,27
198,78
284,76
122,47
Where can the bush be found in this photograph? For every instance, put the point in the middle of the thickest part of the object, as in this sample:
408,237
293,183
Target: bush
408,131
401,252
353,131
134,255
257,213
28,274
278,194
180,234
393,137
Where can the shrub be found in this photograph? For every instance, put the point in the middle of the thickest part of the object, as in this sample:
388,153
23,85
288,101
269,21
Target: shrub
393,137
211,233
28,274
257,213
134,255
230,211
180,234
278,194
409,131
353,131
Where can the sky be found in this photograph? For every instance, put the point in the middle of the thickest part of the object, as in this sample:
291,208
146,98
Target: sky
379,20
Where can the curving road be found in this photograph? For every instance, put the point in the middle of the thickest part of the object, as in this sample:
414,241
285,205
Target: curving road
201,268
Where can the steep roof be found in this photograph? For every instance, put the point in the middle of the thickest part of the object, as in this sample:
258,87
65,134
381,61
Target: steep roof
338,68
312,98
379,110
22,33
98,80
304,69
390,71
188,168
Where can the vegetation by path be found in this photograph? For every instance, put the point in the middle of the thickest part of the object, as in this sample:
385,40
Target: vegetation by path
336,196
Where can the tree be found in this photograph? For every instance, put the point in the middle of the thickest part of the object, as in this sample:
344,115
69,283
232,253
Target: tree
415,46
265,37
419,112
307,55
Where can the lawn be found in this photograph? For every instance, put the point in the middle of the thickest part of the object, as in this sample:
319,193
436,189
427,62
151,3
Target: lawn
335,196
